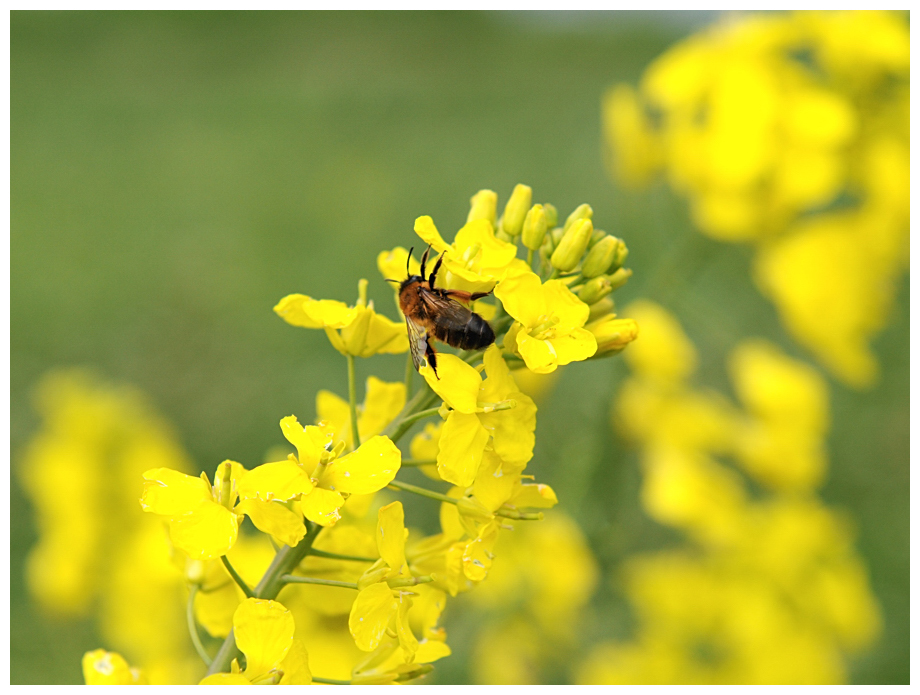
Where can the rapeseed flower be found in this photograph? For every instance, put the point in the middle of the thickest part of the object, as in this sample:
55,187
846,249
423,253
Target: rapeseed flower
549,319
357,331
264,632
109,668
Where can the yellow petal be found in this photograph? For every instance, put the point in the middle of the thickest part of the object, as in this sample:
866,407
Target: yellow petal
304,311
539,495
522,296
495,483
562,303
538,355
171,493
275,519
282,480
403,632
424,227
108,668
456,382
381,405
290,308
463,439
370,615
384,336
579,344
391,537
333,416
264,631
431,650
309,441
477,557
296,666
322,506
207,533
366,470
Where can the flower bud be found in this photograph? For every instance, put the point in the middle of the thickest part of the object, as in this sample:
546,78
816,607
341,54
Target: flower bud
583,211
469,506
516,210
482,206
612,334
601,308
502,235
600,257
574,242
620,257
552,215
595,290
556,236
596,237
534,228
619,278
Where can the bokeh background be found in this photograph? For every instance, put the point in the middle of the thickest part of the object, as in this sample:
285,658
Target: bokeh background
174,174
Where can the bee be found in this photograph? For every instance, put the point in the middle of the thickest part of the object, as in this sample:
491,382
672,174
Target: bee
433,312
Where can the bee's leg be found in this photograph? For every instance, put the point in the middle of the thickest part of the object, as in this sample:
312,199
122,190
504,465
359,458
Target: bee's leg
479,295
425,260
432,358
434,273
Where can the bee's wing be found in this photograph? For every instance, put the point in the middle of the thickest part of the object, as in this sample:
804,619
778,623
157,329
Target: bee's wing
444,311
418,341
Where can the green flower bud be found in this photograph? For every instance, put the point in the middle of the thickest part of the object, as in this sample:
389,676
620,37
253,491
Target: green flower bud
556,235
572,247
552,215
583,211
612,334
600,257
534,228
516,210
595,290
619,278
546,250
482,206
596,237
501,234
601,308
620,257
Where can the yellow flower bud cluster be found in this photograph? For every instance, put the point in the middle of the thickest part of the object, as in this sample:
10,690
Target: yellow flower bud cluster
792,132
771,581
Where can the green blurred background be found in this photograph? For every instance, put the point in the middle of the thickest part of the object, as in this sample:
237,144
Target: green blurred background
174,175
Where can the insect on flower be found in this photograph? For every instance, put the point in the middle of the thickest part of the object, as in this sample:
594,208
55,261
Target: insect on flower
435,313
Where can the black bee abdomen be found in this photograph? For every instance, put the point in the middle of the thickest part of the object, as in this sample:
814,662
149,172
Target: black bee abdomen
475,334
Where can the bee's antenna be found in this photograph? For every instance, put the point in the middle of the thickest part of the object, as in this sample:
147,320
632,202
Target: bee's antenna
409,258
392,280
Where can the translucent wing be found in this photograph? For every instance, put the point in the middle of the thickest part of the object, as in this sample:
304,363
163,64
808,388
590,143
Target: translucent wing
418,341
447,313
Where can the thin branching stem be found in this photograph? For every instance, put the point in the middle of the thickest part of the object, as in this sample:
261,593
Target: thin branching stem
193,626
316,552
295,579
236,577
353,401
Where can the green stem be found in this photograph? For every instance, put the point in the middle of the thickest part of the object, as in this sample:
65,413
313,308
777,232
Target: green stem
193,626
295,579
338,556
424,492
411,463
530,257
268,588
236,577
330,681
402,426
353,402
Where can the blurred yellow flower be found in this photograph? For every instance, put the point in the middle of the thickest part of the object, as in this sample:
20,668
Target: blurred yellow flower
109,668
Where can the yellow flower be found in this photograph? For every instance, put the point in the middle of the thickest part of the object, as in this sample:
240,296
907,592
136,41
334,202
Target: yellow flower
368,469
264,632
109,668
483,412
549,322
476,260
664,353
382,403
357,330
378,609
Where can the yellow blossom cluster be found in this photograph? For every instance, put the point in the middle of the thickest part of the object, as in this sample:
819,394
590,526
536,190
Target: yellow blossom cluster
792,132
328,585
769,587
